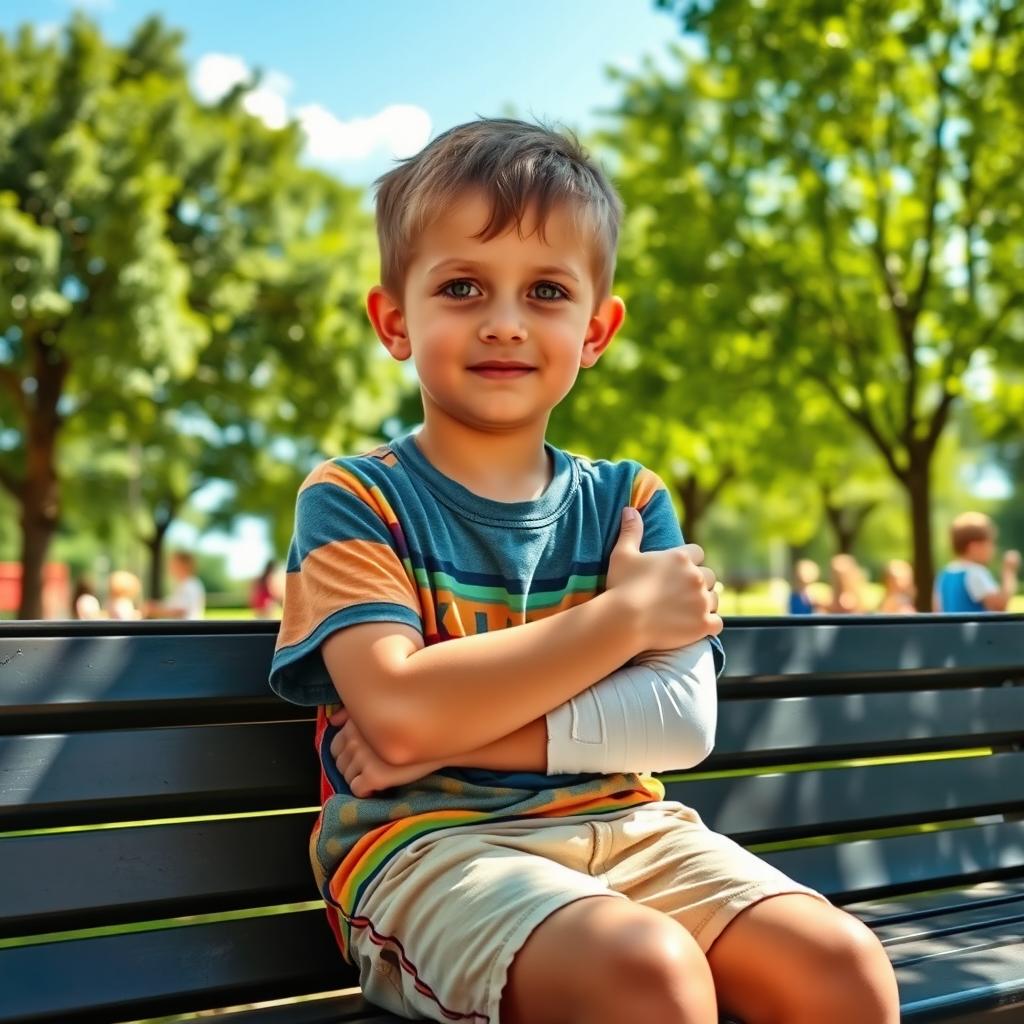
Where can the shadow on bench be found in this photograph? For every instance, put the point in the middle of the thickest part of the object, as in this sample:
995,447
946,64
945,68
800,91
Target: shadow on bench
119,727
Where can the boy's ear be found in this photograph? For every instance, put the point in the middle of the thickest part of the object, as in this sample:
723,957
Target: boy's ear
389,322
601,329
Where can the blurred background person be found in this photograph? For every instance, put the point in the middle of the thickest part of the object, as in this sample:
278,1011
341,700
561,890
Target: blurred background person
123,591
966,585
188,598
847,586
801,601
84,602
898,580
265,593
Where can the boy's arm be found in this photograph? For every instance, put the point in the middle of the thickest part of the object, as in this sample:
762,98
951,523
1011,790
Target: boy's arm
655,715
422,704
998,600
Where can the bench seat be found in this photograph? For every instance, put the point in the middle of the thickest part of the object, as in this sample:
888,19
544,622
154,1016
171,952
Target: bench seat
149,781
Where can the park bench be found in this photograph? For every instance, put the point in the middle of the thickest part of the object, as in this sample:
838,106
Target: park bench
192,791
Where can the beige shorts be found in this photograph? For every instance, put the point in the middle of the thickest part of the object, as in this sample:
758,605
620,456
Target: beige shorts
439,929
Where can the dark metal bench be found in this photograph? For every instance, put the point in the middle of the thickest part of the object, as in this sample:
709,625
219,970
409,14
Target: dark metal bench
133,723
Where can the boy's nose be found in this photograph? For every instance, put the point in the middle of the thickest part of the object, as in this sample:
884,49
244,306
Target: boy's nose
503,326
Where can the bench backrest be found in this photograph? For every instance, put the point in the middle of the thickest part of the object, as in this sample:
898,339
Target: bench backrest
192,790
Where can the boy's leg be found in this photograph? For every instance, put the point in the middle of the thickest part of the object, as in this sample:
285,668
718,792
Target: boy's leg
793,959
609,961
454,916
779,952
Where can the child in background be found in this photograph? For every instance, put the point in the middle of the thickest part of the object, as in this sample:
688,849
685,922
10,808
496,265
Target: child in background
898,580
966,585
801,601
847,586
123,590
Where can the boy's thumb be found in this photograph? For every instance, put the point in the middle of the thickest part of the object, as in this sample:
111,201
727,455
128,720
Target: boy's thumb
631,530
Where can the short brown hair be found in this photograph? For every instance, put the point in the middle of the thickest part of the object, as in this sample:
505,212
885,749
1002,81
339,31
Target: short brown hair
969,527
519,167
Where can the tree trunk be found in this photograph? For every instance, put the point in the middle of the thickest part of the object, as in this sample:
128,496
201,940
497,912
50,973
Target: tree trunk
155,546
918,485
697,500
847,521
40,496
38,525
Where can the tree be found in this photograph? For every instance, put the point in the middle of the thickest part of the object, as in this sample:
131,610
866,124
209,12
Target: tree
164,259
862,159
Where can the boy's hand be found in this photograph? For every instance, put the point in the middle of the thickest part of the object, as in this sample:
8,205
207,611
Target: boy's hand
365,772
670,591
1011,561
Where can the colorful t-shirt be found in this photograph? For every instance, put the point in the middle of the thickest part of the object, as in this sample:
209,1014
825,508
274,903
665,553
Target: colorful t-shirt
384,536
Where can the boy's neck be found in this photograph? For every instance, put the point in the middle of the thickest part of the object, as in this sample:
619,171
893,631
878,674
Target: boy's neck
500,466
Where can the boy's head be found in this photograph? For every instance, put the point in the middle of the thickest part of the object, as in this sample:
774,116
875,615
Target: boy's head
522,171
497,251
182,565
973,537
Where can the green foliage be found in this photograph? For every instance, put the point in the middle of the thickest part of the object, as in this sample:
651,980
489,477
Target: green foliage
825,232
184,297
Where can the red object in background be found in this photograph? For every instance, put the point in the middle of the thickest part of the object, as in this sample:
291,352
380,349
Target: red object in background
56,588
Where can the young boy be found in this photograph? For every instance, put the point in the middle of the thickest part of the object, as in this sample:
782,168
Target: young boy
490,848
966,585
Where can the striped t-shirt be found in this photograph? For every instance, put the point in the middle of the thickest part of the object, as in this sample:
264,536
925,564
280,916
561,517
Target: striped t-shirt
385,536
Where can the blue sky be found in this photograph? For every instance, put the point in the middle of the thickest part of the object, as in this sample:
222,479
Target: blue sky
373,79
338,64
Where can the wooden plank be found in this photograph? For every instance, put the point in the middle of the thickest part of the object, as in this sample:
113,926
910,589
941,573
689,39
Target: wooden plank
334,1010
153,872
789,805
839,646
947,976
92,777
907,939
62,683
873,868
918,906
828,727
148,974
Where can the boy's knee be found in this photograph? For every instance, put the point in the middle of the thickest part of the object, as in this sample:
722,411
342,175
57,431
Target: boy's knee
649,962
851,980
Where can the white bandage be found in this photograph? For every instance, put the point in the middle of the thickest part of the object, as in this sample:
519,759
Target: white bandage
655,714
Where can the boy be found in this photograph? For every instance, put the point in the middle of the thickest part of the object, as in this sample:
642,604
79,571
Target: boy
489,847
966,585
188,599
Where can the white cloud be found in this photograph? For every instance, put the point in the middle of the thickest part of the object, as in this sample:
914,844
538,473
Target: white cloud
398,130
216,74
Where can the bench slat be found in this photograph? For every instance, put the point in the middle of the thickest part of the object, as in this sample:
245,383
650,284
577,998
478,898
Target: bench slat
85,778
789,805
919,905
874,868
819,728
983,969
147,974
152,872
843,647
134,874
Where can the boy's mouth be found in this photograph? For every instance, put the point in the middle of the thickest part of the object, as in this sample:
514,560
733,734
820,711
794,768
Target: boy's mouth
501,370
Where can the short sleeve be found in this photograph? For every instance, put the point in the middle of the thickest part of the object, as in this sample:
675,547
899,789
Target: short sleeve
650,497
345,567
979,583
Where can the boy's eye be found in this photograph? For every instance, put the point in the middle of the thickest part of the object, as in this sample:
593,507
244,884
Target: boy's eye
460,290
548,292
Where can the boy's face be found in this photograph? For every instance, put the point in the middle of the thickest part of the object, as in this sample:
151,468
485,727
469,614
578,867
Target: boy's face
981,551
498,330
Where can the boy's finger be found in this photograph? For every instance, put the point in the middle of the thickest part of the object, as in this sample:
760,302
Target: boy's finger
631,527
339,718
